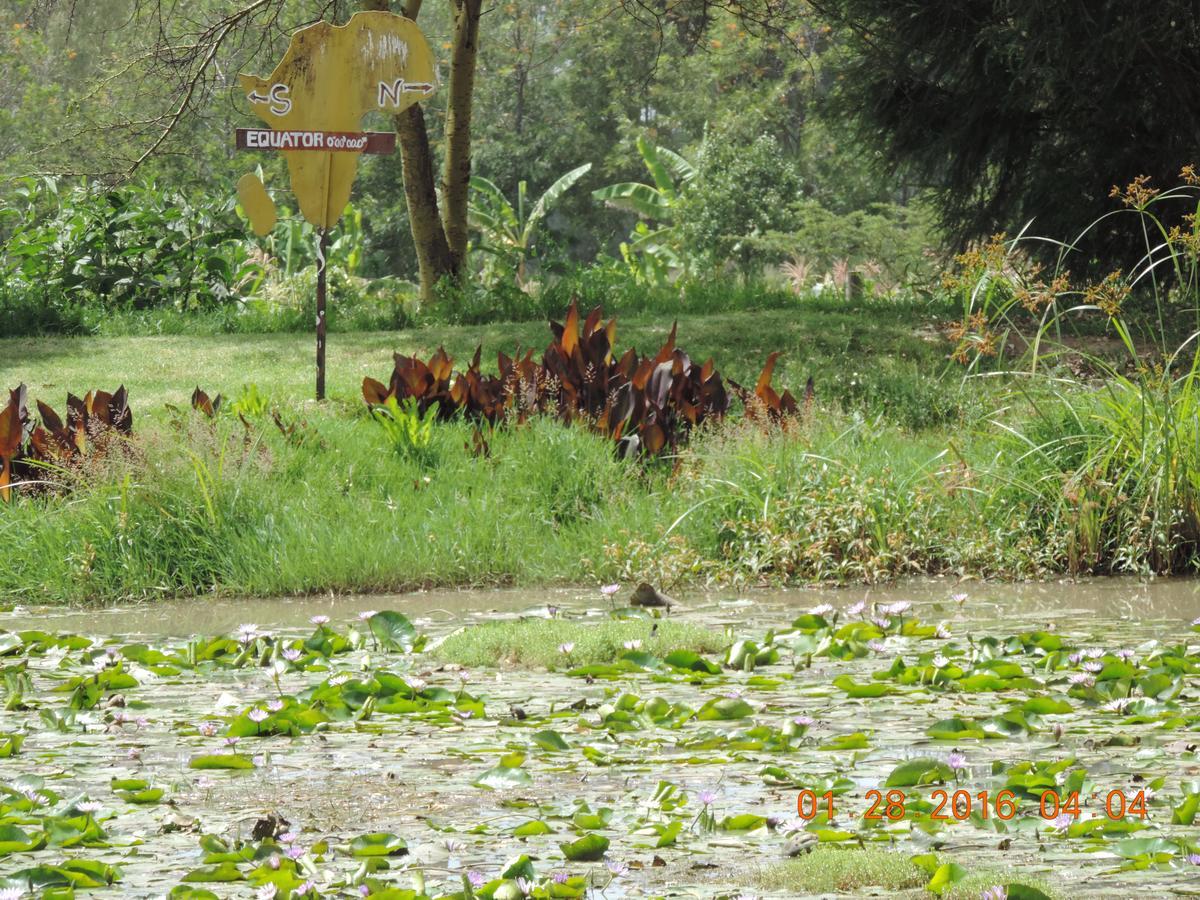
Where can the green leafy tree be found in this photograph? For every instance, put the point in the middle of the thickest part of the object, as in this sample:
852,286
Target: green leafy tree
741,192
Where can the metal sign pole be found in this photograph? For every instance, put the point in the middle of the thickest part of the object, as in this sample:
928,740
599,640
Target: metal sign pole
324,248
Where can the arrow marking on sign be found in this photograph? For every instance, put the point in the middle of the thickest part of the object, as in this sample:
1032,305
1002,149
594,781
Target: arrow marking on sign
389,94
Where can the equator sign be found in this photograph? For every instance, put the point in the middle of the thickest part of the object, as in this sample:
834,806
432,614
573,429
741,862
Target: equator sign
326,141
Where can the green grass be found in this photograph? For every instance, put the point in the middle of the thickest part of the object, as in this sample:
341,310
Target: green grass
850,871
195,506
869,358
539,642
830,871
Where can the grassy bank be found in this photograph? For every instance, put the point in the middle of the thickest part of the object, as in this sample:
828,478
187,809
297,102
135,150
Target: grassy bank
895,471
203,506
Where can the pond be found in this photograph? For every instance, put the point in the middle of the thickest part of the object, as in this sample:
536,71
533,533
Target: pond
178,748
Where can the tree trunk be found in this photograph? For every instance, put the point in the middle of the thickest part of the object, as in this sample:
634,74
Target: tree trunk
420,192
429,238
456,175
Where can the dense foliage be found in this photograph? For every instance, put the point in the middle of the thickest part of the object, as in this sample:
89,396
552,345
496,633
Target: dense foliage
1019,111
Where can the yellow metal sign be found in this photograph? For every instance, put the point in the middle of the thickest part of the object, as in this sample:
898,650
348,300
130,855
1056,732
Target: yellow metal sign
257,203
330,77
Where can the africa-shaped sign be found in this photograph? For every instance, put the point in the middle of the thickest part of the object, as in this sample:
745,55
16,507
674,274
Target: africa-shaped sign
314,102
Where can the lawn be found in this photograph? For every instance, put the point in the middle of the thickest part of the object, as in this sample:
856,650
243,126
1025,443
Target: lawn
871,356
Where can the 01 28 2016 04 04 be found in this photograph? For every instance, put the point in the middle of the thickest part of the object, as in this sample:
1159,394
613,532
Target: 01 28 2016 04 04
959,805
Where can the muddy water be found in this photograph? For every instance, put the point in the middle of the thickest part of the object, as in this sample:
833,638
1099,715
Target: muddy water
1117,599
415,775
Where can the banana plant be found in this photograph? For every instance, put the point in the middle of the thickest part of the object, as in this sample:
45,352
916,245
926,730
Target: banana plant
653,249
508,231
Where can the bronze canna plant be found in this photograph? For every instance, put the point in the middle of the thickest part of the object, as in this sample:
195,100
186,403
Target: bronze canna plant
647,405
27,447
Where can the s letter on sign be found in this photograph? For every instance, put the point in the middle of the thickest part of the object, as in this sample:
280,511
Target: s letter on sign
330,77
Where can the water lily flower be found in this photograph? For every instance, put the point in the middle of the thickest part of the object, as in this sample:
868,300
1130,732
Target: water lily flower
1083,678
305,888
291,654
882,623
415,684
274,862
11,893
942,631
617,868
247,633
476,878
960,599
257,715
134,753
1094,652
856,609
707,797
552,611
89,806
940,662
633,645
525,886
1196,621
267,892
453,846
560,878
876,646
1074,658
609,589
792,825
367,614
1093,666
319,620
294,852
995,892
804,721
204,783
208,729
1194,859
274,705
735,694
231,741
822,609
956,760
339,679
364,890
1063,821
1125,654
566,648
899,608
288,837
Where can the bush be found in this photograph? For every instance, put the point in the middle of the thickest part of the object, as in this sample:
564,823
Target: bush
134,247
740,192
